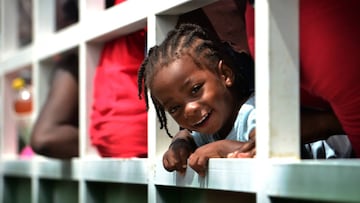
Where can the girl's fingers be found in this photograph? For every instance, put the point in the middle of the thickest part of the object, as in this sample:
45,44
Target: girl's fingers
238,154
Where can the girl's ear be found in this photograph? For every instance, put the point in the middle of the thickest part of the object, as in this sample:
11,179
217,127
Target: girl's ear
226,74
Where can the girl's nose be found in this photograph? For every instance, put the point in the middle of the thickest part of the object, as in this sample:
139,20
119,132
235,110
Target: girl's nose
191,109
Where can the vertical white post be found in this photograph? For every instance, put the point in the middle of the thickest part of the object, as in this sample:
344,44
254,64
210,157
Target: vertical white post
82,109
158,141
277,86
45,19
2,89
89,55
9,28
277,78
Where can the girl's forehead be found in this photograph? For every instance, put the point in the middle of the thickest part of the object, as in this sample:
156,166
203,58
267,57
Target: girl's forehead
177,70
188,62
175,75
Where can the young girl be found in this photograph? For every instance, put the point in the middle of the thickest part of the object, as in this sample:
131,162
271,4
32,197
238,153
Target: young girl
210,95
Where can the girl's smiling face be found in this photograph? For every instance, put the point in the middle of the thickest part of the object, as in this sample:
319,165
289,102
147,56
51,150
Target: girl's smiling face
197,98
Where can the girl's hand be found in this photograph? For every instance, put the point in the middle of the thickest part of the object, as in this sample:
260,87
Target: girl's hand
200,158
247,150
175,158
219,149
239,154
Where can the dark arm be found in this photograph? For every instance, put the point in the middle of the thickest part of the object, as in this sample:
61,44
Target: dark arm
182,145
55,133
318,125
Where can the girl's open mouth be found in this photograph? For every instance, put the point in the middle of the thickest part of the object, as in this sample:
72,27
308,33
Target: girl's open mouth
203,121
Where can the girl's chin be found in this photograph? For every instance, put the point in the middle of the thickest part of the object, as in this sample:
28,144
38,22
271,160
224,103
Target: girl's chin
206,131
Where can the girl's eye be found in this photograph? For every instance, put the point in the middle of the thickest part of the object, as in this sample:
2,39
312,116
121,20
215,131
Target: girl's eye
173,110
195,89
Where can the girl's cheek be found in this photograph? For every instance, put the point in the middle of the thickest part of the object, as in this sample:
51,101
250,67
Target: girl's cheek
180,121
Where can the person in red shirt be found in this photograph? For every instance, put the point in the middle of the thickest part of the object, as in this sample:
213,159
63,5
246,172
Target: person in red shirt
329,67
119,119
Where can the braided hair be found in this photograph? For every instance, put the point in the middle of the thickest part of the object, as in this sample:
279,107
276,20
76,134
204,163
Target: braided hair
192,40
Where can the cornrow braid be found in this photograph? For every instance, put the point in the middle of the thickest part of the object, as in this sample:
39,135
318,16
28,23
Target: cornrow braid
141,77
187,39
143,88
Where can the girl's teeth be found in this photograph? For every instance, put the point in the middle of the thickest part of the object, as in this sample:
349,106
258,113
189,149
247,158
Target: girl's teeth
202,120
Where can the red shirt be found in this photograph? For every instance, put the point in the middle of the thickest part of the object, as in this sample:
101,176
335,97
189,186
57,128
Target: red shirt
119,118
